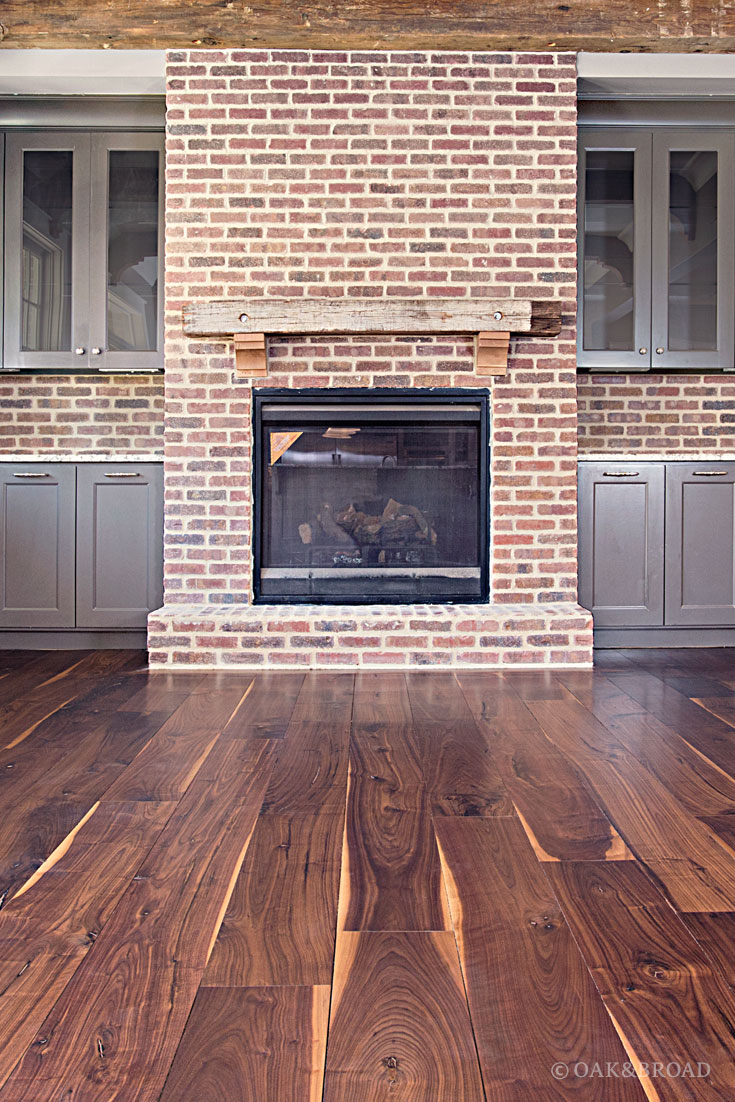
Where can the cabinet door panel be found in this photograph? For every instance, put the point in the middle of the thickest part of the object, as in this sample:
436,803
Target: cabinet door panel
693,254
621,533
700,545
46,251
127,252
119,544
615,249
37,545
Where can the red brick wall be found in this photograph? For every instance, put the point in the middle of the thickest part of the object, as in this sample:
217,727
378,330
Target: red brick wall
656,413
374,175
81,413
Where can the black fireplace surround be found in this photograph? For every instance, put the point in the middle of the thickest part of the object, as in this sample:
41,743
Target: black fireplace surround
371,496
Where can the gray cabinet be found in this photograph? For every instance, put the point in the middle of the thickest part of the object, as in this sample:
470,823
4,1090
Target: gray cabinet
700,544
656,248
119,544
621,527
81,545
657,544
83,257
37,545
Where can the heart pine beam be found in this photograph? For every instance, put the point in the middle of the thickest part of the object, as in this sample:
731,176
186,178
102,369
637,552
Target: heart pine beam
670,25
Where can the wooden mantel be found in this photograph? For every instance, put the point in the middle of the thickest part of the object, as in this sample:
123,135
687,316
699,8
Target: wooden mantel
689,26
249,321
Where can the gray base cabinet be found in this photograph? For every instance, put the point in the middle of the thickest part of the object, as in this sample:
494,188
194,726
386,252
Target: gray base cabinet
37,545
700,547
81,545
119,544
657,544
621,525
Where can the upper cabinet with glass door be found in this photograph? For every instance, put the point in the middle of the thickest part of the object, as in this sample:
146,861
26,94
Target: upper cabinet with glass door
656,221
83,251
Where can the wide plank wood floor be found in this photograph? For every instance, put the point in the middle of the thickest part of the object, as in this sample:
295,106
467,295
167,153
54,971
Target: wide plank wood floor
420,887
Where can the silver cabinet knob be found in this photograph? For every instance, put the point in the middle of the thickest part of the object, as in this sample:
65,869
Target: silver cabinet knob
96,351
78,351
659,351
643,351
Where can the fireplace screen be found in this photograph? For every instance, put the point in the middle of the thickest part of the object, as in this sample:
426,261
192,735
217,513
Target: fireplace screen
380,500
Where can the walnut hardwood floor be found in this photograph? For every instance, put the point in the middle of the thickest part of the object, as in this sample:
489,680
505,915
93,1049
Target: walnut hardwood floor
229,887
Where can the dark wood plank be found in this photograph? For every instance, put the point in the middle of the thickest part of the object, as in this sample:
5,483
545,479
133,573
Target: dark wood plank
533,684
47,929
266,707
310,771
436,698
702,787
701,729
253,1044
40,670
650,973
715,933
391,876
385,747
74,691
531,998
559,813
461,774
50,789
721,707
166,765
399,1025
280,922
697,871
113,1033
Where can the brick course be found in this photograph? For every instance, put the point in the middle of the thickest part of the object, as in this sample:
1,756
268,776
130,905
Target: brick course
661,414
81,413
368,175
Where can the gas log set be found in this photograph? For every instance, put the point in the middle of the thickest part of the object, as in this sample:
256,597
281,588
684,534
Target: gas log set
398,533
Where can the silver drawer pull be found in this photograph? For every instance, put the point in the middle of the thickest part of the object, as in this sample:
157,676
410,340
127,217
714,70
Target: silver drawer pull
621,474
31,474
708,474
122,474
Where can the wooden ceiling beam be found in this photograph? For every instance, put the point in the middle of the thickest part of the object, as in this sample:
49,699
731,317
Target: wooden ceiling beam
688,26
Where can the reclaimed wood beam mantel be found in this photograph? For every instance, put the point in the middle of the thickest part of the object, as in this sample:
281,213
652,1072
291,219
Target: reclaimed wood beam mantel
248,321
689,26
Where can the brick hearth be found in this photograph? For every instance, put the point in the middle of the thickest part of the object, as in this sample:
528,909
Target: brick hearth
370,175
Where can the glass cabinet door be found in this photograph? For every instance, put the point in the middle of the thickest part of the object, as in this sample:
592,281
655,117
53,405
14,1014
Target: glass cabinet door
693,223
127,251
614,249
46,302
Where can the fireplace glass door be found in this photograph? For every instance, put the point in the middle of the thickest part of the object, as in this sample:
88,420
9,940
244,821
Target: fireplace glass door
374,501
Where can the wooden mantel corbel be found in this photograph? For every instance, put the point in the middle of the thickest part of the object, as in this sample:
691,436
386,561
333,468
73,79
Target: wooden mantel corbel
493,321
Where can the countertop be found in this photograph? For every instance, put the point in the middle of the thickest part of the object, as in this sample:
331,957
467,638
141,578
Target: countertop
656,457
83,457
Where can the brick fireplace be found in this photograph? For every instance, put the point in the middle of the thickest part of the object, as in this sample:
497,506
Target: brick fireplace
381,176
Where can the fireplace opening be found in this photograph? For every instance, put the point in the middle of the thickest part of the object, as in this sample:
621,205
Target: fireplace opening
374,496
